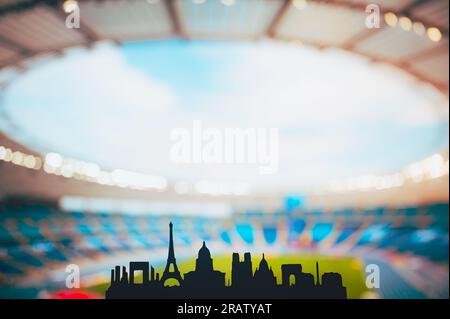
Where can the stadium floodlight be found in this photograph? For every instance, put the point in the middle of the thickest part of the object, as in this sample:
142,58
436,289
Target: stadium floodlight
70,6
54,160
124,178
391,19
300,4
405,23
434,34
419,28
228,3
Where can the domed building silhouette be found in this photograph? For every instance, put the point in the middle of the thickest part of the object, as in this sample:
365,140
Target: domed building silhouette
204,275
264,277
204,262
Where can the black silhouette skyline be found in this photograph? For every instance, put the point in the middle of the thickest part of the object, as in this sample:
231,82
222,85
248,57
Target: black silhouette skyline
205,282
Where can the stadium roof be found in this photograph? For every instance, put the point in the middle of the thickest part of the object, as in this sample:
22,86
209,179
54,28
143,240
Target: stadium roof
413,36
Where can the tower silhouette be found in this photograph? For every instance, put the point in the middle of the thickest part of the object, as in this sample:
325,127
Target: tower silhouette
317,274
171,261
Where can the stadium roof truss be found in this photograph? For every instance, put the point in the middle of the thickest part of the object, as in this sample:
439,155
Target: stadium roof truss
30,28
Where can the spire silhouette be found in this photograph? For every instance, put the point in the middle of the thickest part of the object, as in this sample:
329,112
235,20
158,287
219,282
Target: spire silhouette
317,274
171,255
263,265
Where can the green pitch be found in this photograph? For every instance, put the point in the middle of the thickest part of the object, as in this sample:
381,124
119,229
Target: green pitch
351,269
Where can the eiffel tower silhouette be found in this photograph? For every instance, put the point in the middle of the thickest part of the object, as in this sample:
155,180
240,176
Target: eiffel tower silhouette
175,274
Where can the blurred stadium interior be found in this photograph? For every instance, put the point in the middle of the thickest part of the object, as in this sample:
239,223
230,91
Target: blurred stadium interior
97,216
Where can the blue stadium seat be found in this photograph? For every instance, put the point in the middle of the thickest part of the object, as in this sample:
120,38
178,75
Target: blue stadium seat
321,231
24,258
270,234
8,269
246,232
345,234
6,238
296,227
225,237
372,234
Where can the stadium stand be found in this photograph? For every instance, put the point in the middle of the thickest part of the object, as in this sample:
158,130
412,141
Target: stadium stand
33,236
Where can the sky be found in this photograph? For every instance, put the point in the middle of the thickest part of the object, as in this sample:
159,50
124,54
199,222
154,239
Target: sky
338,115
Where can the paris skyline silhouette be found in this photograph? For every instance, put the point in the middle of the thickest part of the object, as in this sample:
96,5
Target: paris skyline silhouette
206,283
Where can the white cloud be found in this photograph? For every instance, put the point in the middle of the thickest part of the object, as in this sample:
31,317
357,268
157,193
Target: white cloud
90,104
335,93
278,85
94,106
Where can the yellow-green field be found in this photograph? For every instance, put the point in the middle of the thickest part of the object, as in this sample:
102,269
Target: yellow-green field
351,269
